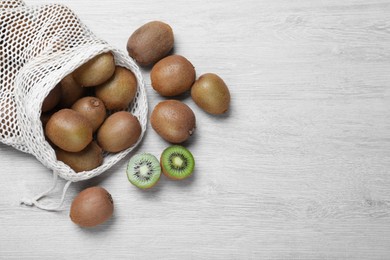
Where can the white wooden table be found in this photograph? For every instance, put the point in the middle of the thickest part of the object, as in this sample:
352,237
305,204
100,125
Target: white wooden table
298,169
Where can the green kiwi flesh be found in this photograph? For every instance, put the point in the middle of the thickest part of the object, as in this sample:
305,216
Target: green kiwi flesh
177,162
143,170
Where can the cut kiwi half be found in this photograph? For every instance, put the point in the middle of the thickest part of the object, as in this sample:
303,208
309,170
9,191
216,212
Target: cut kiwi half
177,162
143,170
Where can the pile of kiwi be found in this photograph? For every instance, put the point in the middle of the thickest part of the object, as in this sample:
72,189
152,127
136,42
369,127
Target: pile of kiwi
171,75
85,114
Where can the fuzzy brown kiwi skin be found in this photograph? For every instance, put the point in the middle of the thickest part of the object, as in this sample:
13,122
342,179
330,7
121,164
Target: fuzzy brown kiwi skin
71,91
119,131
93,109
150,43
211,94
173,120
52,99
69,130
95,71
88,159
172,76
91,207
119,90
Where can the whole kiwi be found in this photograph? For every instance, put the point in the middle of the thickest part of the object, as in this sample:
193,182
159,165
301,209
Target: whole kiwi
119,90
69,130
96,71
118,132
172,76
173,120
52,99
91,207
87,159
93,109
150,43
71,91
211,94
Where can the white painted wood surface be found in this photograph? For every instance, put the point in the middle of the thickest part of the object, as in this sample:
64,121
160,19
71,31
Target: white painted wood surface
298,169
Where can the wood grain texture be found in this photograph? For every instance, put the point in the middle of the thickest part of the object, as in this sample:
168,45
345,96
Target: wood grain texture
298,169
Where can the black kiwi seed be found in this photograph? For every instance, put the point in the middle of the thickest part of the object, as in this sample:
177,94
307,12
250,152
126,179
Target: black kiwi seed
177,162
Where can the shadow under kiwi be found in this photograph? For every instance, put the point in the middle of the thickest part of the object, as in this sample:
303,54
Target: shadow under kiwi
96,181
181,97
102,227
151,193
223,116
183,183
193,139
148,68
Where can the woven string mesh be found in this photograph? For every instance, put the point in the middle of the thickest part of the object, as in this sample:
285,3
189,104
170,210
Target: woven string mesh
39,46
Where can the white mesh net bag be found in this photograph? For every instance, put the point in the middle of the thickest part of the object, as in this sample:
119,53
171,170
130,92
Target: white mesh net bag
39,46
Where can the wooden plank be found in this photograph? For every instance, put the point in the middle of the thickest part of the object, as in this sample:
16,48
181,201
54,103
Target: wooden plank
298,169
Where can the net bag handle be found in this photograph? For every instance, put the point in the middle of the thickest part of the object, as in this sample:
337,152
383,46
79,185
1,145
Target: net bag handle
34,201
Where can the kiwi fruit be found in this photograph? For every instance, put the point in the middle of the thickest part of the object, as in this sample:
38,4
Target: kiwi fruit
52,99
119,131
71,91
211,94
173,120
91,207
172,76
93,109
69,130
177,162
96,71
150,43
87,159
143,170
119,90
